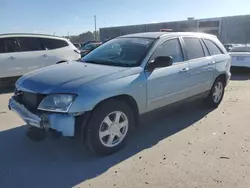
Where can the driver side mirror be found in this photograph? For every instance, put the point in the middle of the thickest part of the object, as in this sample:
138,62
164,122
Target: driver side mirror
160,61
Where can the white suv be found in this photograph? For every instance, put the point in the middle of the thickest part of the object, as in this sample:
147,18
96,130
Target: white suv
22,53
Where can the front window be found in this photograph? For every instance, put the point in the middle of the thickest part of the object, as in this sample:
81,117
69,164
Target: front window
125,52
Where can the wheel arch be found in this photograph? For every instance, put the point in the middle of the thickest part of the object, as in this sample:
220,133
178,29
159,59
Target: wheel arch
223,77
128,99
82,120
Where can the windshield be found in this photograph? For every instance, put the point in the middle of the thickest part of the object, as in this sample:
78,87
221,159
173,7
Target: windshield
88,47
127,52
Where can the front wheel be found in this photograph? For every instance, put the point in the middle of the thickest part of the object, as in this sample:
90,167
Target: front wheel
216,94
109,127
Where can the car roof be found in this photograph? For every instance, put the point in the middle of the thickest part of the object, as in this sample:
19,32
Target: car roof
29,35
155,35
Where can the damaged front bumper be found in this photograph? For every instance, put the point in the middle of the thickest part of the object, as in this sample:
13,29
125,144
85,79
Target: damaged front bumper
63,123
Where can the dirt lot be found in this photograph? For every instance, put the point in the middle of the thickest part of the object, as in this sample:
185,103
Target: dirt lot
186,147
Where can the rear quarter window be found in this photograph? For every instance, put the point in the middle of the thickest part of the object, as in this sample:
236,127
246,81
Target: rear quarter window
51,44
212,47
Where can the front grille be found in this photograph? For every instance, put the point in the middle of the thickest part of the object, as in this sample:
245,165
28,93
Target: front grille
30,100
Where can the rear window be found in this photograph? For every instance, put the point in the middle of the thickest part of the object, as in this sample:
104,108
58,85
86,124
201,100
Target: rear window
212,47
51,44
193,48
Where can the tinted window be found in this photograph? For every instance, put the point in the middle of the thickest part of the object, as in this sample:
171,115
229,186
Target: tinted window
29,44
51,44
1,46
214,50
9,45
170,48
193,48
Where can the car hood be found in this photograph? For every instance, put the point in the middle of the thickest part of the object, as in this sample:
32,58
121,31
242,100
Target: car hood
66,77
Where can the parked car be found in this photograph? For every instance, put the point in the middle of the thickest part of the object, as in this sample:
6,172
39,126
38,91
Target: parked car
101,96
89,47
77,45
240,56
228,46
22,53
89,41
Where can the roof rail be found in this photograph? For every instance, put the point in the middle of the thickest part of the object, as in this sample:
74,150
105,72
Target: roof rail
4,34
166,30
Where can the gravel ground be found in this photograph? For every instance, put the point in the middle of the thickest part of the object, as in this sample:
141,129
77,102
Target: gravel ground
185,147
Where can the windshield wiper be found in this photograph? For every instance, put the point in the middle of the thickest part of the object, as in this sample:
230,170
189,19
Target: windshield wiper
110,63
90,61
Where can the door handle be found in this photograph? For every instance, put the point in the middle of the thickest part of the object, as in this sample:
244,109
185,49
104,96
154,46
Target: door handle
184,70
211,62
44,55
12,58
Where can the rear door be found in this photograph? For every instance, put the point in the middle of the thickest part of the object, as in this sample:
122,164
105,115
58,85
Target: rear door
220,59
202,65
31,53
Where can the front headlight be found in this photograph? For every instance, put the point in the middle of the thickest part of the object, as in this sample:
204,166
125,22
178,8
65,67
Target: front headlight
57,102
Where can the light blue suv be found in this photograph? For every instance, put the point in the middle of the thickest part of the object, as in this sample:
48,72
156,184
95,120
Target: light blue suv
101,96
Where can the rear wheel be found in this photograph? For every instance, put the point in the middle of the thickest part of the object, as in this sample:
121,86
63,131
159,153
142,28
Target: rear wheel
216,94
109,127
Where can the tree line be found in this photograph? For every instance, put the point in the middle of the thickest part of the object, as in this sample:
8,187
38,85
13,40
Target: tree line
86,36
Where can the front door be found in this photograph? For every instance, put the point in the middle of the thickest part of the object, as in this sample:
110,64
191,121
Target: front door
32,54
169,84
20,55
9,58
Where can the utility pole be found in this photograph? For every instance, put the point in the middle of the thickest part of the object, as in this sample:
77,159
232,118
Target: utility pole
95,27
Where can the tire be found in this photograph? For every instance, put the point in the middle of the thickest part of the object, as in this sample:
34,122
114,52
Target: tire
97,127
211,101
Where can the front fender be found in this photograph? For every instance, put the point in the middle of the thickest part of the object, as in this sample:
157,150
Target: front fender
90,95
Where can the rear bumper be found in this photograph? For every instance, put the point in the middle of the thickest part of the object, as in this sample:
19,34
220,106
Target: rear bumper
240,64
63,123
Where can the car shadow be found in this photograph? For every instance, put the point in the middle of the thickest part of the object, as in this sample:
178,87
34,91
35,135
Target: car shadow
64,163
9,89
240,73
